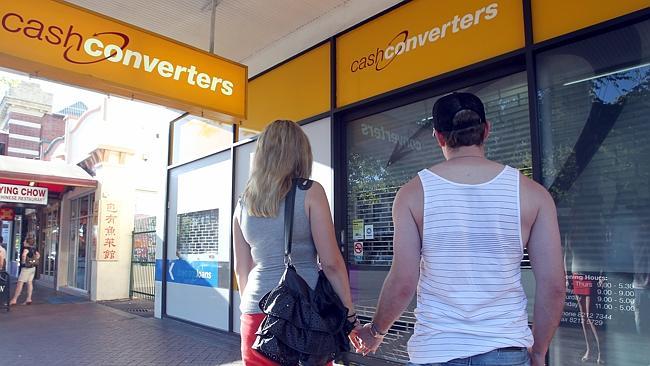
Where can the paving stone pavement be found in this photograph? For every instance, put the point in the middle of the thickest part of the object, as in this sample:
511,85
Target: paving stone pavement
86,333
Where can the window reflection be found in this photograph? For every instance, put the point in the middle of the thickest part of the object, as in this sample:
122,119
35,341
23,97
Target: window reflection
593,100
195,137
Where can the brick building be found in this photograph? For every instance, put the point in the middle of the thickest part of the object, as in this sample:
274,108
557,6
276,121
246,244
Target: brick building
4,141
27,123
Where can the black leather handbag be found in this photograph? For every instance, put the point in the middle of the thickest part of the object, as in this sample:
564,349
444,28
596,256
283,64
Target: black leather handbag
302,326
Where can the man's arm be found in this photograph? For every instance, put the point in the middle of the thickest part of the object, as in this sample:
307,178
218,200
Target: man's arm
545,252
401,282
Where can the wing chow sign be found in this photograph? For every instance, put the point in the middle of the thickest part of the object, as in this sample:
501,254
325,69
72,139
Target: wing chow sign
23,194
56,40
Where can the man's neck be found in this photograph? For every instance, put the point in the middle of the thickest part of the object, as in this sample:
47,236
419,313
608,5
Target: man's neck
464,152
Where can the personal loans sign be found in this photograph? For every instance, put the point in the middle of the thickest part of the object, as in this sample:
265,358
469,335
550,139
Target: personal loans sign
422,39
56,40
23,194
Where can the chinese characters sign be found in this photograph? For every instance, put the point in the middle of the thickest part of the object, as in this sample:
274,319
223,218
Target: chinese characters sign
109,231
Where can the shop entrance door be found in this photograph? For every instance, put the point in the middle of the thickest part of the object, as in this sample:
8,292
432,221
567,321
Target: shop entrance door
82,242
51,244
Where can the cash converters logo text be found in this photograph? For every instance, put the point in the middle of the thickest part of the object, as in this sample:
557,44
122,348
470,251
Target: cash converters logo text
401,43
110,47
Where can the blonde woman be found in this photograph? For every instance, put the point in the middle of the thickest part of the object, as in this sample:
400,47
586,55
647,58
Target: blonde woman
282,154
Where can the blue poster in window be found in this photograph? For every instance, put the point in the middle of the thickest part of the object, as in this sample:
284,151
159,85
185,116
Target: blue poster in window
197,273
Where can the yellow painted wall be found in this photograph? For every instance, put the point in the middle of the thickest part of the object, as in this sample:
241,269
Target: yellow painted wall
552,18
296,90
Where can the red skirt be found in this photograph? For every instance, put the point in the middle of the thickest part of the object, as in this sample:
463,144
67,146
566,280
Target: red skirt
249,325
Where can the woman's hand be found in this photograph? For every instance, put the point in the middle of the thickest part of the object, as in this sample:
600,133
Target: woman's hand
354,337
369,342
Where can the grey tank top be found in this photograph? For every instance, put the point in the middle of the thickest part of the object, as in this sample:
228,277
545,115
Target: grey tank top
266,239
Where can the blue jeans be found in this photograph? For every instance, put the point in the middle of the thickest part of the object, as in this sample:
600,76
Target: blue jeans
511,356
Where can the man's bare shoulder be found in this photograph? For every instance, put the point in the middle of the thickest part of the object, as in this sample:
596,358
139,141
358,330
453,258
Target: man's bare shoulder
411,190
533,193
411,195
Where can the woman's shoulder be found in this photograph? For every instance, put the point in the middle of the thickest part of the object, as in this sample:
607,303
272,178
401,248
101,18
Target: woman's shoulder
312,188
316,195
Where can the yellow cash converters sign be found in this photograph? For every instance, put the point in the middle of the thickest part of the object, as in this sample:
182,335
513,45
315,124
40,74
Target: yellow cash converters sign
59,41
422,39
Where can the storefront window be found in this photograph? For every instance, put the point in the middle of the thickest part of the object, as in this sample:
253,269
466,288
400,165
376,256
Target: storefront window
195,137
386,150
594,106
198,241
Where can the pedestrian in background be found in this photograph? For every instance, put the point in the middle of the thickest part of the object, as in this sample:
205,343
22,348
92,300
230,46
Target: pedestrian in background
28,262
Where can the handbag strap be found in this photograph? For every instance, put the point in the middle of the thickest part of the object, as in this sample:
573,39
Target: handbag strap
288,221
289,206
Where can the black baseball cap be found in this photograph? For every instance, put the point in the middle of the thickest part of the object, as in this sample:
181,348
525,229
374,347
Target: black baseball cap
446,108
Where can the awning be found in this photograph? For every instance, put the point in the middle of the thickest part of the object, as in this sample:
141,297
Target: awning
44,172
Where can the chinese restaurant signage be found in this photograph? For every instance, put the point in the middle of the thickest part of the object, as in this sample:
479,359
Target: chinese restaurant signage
422,39
23,194
56,40
109,231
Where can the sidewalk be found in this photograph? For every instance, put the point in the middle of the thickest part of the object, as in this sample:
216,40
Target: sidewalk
62,330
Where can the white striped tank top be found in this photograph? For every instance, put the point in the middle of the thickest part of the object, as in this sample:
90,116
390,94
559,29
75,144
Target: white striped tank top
470,298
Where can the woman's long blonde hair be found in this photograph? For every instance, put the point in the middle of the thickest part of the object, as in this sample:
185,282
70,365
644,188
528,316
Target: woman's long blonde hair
282,153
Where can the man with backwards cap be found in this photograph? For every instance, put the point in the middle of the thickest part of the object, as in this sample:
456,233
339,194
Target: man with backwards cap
461,228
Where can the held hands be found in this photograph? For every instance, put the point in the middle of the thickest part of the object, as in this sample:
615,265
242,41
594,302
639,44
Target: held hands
354,336
367,340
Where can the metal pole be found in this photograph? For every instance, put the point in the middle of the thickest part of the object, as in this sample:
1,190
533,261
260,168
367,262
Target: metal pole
212,21
131,267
